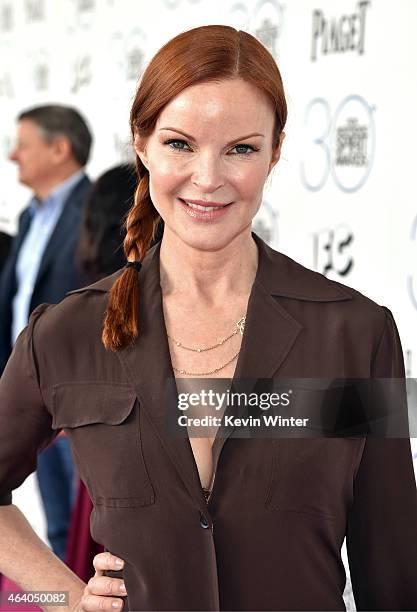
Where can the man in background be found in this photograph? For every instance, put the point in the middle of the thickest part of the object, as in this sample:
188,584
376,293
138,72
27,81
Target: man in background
52,149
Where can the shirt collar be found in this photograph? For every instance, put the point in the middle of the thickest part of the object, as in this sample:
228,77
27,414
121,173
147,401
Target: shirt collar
277,275
58,194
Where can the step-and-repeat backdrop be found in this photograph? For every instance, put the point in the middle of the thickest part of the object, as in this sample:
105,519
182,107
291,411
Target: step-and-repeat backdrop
342,200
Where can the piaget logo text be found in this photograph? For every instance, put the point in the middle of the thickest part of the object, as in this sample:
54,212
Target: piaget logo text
339,34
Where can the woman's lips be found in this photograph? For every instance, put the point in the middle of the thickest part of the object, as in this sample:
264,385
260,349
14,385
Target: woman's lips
196,213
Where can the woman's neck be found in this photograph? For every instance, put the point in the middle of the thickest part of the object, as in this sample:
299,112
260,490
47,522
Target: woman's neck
208,275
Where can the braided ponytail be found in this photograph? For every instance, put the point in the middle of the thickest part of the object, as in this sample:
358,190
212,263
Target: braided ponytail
121,321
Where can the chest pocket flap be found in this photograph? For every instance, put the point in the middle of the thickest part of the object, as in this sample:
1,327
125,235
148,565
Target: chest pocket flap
103,423
78,404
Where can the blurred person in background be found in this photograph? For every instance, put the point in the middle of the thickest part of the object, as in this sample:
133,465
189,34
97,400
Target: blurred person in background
52,148
5,244
100,253
100,248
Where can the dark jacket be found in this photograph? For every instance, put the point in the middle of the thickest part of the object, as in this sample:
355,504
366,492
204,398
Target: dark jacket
5,245
57,274
270,536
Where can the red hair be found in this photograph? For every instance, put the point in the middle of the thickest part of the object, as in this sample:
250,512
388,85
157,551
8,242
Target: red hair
207,53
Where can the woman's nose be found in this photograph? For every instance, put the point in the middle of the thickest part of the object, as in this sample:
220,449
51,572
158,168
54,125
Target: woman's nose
207,174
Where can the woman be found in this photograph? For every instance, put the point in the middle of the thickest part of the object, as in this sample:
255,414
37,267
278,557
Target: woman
100,248
207,123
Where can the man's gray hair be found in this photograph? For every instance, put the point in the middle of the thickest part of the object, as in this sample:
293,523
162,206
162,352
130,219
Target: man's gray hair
57,120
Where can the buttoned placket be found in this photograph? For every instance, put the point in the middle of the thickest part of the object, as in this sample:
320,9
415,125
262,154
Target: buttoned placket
149,376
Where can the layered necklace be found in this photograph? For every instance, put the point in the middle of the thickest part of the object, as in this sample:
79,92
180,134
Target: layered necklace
239,328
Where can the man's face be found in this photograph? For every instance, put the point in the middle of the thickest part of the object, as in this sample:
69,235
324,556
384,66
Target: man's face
33,155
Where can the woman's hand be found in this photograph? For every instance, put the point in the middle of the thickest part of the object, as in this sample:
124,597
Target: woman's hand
103,592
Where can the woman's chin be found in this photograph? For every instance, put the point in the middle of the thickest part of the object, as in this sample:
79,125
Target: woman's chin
209,238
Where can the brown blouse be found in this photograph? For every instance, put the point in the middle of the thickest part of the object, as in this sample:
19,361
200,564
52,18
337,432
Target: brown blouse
269,537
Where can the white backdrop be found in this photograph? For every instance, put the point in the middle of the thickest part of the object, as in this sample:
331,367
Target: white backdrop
340,201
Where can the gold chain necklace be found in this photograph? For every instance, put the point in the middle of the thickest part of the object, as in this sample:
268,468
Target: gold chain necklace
240,326
206,373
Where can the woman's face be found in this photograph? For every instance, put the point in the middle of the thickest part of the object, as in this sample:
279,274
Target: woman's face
211,148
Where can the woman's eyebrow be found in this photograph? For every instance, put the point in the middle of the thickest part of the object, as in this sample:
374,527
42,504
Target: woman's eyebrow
227,145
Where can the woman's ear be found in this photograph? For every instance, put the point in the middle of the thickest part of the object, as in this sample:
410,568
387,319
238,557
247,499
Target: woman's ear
140,148
277,152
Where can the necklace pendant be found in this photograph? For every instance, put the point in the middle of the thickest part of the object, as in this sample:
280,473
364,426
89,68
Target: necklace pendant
241,325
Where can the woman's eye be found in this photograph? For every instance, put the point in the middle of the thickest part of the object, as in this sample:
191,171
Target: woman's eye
245,146
179,145
173,142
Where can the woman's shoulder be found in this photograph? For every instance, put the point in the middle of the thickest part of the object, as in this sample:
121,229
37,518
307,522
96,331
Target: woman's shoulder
62,344
289,279
78,315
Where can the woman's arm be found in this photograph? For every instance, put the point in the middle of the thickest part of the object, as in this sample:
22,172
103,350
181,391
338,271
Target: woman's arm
382,524
27,561
382,528
25,429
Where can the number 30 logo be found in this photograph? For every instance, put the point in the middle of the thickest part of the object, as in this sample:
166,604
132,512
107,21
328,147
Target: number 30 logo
340,145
